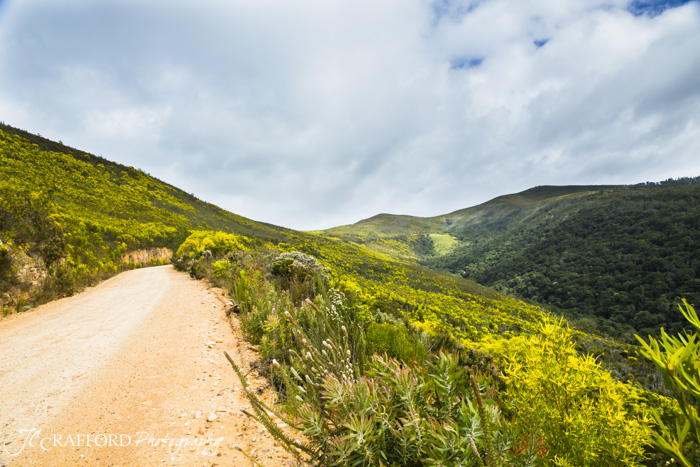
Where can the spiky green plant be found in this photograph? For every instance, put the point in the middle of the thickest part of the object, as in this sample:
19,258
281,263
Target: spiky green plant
262,415
678,359
355,411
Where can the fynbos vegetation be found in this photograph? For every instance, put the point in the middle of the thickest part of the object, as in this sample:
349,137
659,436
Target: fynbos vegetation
360,386
379,360
616,260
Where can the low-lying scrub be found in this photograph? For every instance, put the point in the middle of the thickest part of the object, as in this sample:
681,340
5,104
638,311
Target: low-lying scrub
362,386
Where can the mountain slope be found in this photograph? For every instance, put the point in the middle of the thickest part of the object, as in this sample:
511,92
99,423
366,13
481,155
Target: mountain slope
96,210
393,225
71,216
108,193
626,256
617,259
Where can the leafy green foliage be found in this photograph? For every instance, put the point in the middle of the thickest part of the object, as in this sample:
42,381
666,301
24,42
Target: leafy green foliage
678,360
565,401
394,341
26,220
27,230
422,245
616,261
6,273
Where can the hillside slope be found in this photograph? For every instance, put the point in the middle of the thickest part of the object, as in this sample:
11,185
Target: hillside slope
68,219
110,194
395,225
87,211
617,259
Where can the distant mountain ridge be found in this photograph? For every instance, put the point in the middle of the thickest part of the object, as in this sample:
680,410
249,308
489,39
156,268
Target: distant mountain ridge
392,225
614,257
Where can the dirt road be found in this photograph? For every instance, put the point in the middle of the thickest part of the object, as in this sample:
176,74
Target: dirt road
130,372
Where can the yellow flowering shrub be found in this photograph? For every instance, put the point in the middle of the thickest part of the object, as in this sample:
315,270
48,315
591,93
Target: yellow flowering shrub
565,403
216,242
221,268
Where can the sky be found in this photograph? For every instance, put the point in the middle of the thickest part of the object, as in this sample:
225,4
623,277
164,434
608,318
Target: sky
316,113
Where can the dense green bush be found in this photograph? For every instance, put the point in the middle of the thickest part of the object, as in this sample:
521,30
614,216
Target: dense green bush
207,254
221,268
216,242
28,221
7,276
301,274
394,342
29,232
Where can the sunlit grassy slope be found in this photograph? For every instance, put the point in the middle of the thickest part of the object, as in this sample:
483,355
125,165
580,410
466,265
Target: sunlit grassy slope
110,195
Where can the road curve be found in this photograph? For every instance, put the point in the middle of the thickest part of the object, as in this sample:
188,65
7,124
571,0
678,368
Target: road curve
130,372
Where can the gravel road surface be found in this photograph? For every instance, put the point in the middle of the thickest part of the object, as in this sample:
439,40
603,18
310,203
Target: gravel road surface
130,372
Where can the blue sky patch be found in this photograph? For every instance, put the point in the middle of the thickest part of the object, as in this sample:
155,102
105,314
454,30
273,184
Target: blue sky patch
540,42
653,7
454,9
462,63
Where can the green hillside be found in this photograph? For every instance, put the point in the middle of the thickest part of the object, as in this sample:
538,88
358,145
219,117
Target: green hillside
392,225
67,217
405,236
383,226
616,259
378,359
96,210
107,193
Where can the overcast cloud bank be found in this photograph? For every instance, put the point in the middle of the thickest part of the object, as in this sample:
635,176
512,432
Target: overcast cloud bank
312,113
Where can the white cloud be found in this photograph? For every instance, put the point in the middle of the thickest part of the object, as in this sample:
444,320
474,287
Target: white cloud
310,114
